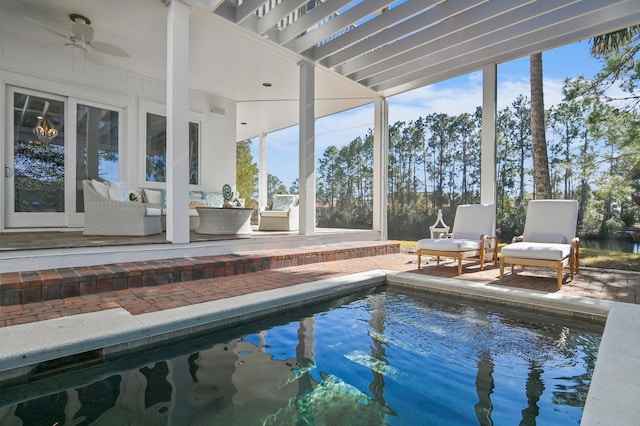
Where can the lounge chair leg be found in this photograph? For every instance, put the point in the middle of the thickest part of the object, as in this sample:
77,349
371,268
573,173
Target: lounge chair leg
459,266
571,268
560,277
437,260
501,269
419,260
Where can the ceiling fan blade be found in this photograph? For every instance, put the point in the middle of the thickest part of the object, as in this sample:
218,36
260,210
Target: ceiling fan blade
109,49
82,30
92,56
48,28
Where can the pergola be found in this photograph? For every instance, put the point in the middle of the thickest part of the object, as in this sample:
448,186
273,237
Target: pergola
317,58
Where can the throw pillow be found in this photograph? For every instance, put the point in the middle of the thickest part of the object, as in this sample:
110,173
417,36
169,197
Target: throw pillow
100,188
214,199
153,196
163,193
282,203
118,191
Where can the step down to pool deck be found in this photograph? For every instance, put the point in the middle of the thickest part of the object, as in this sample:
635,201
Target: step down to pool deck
19,288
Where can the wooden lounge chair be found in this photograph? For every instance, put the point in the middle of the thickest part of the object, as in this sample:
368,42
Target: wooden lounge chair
473,235
549,238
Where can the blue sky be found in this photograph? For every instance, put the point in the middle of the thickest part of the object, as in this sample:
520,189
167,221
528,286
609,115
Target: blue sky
455,96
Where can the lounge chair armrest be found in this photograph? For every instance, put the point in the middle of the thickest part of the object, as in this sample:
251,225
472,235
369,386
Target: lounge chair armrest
575,244
517,238
490,239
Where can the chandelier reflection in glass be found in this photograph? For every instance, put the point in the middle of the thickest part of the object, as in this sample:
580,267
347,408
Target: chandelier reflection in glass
45,131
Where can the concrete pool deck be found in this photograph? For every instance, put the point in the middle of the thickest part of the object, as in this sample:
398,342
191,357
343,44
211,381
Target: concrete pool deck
121,321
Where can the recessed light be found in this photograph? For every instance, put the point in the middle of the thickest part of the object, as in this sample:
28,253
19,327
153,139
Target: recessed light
266,84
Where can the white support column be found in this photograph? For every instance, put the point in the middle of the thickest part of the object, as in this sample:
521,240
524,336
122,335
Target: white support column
489,119
262,174
307,149
380,166
178,122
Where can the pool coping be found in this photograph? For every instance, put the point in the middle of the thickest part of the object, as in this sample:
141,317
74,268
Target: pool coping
612,396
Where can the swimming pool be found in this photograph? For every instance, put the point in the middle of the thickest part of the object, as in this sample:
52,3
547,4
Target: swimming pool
384,358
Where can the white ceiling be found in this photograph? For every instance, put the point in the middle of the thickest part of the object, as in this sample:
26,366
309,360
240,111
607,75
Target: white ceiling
234,49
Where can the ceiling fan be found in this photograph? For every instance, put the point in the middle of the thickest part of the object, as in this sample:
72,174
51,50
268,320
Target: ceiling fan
81,36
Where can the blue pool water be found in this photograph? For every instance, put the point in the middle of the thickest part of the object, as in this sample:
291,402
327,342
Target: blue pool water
384,358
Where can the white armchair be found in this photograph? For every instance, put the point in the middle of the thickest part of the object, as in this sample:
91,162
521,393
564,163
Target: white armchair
104,216
283,216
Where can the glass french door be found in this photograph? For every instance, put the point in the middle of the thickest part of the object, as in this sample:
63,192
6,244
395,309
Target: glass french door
45,162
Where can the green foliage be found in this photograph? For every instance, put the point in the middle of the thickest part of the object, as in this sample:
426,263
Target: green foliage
592,221
246,172
614,227
295,187
39,176
345,183
274,186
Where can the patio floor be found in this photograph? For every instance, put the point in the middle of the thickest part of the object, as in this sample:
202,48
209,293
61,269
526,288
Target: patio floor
602,284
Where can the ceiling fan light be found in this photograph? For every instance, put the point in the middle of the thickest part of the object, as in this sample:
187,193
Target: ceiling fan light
45,131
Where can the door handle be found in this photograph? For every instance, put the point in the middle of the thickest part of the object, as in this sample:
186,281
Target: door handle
8,171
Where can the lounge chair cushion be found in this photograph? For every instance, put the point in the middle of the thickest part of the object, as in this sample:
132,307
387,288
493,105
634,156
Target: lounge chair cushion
543,251
540,237
467,235
473,221
448,244
551,217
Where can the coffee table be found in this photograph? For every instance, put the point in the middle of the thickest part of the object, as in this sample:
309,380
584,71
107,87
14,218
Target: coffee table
215,220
